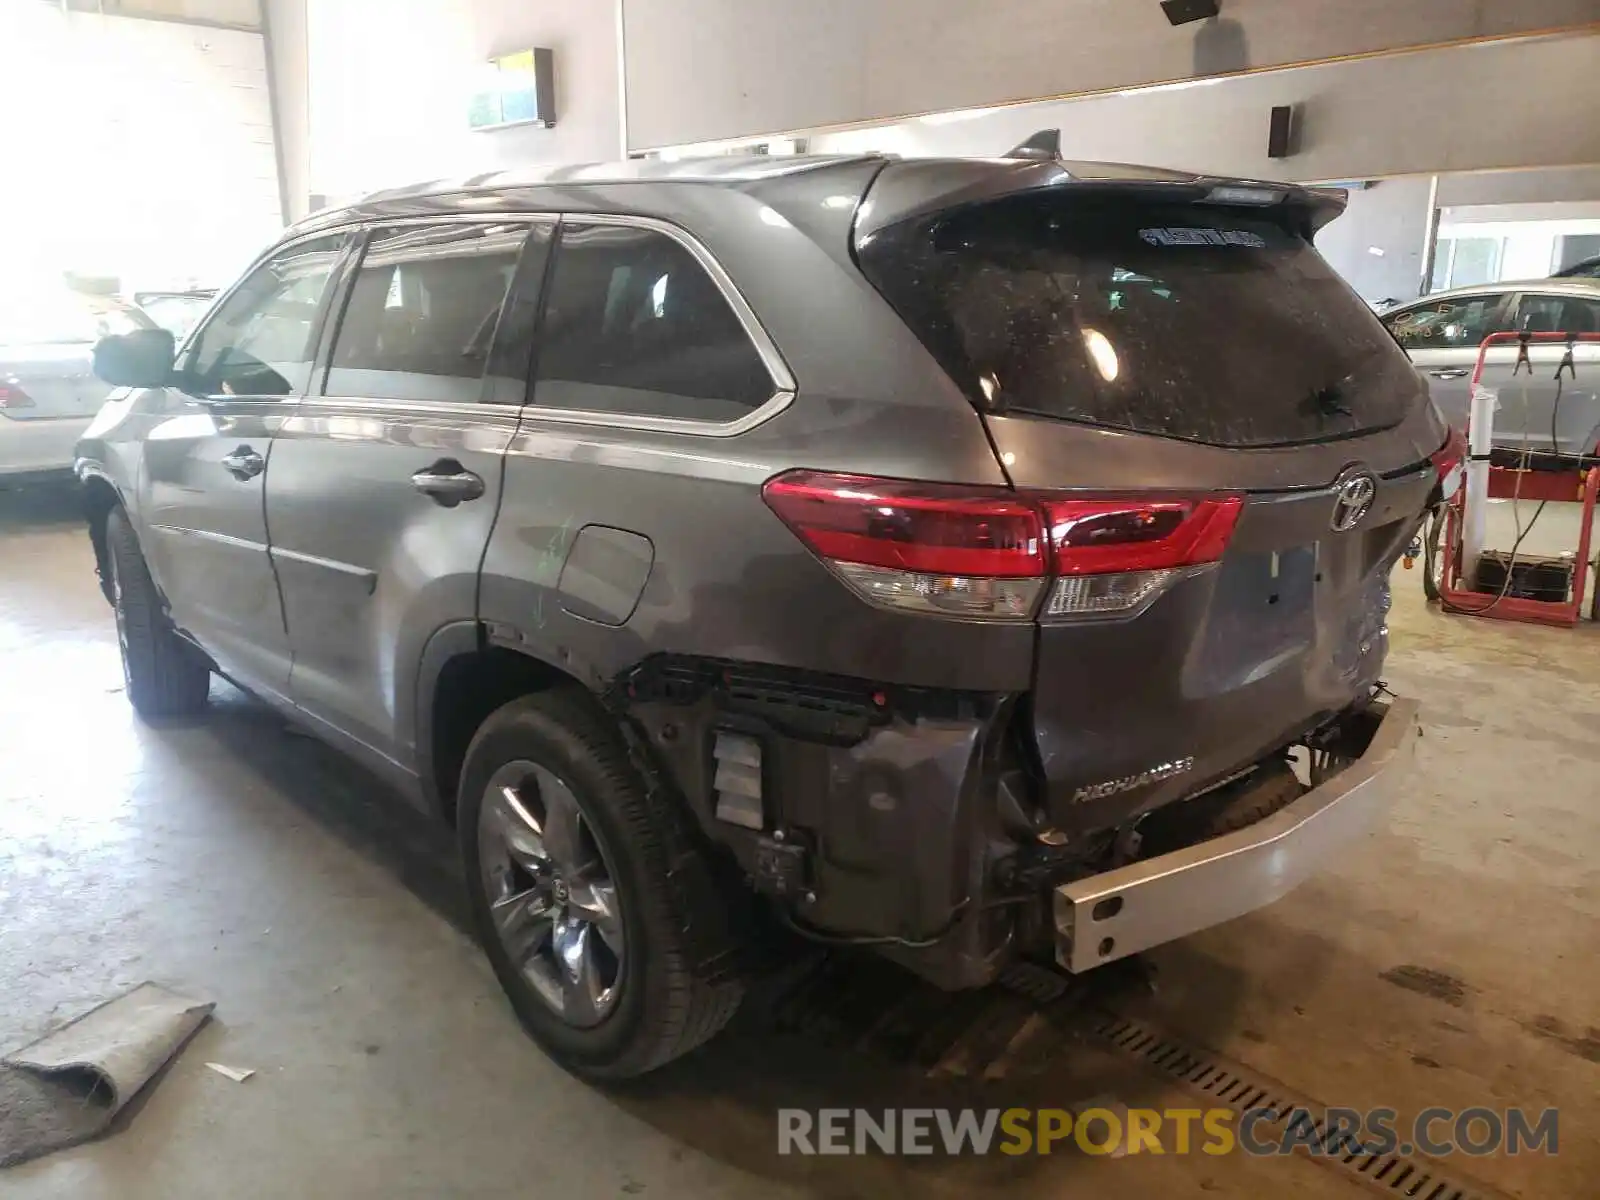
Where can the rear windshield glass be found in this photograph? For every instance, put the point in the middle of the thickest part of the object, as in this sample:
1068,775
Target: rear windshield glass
1189,321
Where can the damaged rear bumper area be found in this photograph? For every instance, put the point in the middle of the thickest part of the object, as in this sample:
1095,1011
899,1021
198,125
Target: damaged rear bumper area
869,814
912,820
1119,912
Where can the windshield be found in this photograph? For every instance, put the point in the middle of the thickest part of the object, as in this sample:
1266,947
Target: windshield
59,315
1206,323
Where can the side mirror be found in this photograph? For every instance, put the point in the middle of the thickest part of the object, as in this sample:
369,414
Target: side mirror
141,359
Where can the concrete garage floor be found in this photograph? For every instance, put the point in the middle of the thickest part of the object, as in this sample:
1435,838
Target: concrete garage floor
1453,962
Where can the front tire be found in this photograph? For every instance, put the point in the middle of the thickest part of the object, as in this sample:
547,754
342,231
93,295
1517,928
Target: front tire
568,875
164,675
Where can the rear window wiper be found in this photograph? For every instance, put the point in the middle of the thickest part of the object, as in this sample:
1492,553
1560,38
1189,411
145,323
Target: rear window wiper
1329,401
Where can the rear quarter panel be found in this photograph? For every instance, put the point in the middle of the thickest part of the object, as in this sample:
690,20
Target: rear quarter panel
729,579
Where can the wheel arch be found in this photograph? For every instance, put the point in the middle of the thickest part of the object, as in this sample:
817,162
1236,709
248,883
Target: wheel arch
100,496
462,678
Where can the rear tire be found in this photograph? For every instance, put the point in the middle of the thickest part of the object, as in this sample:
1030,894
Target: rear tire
1432,559
1254,804
165,676
644,1003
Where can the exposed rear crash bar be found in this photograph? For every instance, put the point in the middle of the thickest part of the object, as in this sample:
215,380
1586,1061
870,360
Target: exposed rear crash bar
1173,895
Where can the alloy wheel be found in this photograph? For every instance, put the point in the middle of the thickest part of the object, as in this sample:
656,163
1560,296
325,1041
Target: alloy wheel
552,892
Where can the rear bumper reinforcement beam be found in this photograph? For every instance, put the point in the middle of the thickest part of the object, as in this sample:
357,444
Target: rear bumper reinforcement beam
1106,917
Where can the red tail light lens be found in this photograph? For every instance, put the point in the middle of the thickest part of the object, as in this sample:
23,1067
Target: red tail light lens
13,397
1451,461
1115,557
915,526
985,552
1097,537
957,551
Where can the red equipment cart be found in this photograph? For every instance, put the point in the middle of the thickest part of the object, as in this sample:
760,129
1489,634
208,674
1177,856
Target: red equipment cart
1580,482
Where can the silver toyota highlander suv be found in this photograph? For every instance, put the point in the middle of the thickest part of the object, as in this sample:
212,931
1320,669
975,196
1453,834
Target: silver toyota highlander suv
970,559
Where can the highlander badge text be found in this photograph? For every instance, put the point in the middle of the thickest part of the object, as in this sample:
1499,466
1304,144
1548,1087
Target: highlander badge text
1115,787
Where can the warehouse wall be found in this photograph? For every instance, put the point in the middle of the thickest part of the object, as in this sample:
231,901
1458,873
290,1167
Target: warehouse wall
1355,125
243,14
708,69
1532,238
387,100
1569,210
1377,245
1521,187
285,26
1428,111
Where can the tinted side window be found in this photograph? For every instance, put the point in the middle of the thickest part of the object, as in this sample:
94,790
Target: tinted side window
1580,316
634,324
260,342
1557,314
421,316
1461,322
1538,314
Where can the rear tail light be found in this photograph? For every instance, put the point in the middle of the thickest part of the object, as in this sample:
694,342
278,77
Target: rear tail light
989,553
969,552
13,397
1106,595
1113,557
1450,460
1092,537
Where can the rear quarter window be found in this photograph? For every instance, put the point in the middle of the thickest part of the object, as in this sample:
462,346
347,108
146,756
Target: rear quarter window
1206,323
635,326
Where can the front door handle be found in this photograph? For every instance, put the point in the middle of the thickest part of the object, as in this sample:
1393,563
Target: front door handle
244,463
1450,373
448,482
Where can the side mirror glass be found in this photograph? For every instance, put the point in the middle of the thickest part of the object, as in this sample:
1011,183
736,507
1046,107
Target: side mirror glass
141,359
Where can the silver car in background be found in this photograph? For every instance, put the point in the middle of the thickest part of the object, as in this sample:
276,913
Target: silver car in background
48,392
1442,333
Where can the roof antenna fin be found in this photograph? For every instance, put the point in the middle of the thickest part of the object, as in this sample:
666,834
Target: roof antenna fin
1044,146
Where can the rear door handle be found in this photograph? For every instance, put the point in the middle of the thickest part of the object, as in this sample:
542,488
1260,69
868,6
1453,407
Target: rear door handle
244,463
448,482
1450,373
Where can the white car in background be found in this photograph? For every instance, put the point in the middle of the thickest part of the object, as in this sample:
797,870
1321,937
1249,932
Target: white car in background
48,391
1442,334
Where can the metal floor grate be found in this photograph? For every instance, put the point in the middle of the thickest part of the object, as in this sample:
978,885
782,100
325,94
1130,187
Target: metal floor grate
874,1008
1239,1088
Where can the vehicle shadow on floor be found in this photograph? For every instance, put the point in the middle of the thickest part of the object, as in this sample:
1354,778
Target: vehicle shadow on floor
827,1030
356,807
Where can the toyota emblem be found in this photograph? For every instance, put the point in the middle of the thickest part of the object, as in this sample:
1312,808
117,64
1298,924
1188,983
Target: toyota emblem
1353,494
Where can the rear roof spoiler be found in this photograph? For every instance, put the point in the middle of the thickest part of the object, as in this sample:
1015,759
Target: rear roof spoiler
1044,146
908,188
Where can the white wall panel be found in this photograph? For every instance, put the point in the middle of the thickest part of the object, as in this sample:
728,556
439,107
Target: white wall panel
388,98
1377,244
701,70
1560,210
243,13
